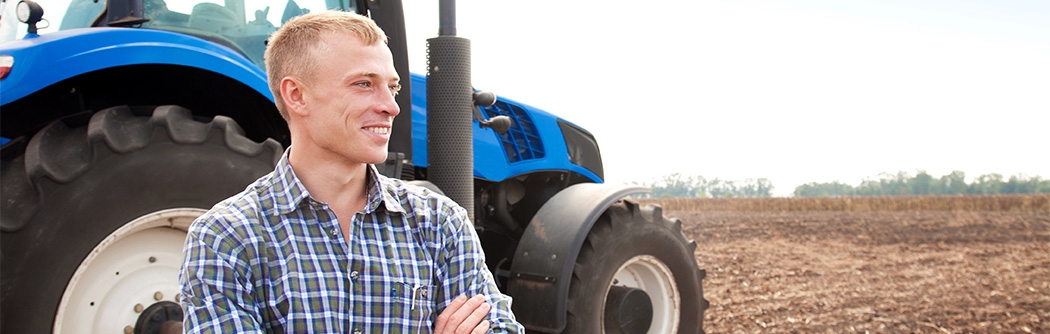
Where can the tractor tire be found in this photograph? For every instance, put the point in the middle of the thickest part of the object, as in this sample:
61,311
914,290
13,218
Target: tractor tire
630,250
95,209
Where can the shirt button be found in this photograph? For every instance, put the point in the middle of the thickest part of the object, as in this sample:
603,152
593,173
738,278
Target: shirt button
357,331
354,275
335,232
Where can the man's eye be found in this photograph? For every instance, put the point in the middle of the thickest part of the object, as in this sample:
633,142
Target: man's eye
394,89
364,84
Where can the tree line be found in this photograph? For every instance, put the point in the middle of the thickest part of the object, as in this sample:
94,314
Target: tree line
902,183
923,183
678,185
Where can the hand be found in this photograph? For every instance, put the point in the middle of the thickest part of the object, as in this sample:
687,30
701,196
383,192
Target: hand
464,316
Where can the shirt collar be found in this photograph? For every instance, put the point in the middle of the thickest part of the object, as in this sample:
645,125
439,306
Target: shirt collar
289,192
383,190
286,188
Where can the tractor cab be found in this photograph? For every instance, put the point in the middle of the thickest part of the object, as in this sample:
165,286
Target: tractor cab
240,25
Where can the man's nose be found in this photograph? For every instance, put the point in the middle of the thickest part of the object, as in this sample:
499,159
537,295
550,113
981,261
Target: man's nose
389,106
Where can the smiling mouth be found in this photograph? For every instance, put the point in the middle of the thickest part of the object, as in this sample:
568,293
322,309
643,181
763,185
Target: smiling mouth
379,130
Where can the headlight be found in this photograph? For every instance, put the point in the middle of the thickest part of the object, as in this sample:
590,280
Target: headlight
29,12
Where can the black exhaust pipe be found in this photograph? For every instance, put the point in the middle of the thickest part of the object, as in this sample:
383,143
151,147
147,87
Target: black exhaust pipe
449,111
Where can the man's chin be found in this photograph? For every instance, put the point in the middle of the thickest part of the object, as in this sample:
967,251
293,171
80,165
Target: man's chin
378,158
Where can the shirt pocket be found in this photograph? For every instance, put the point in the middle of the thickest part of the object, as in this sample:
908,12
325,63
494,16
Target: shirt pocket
416,303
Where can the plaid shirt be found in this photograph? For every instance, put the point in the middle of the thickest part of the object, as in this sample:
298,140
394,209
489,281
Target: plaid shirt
272,259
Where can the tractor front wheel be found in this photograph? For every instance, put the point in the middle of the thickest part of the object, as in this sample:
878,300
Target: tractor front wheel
635,274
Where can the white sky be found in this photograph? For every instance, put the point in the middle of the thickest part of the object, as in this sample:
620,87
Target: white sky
792,91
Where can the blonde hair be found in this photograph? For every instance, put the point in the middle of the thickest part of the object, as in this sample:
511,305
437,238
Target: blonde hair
298,46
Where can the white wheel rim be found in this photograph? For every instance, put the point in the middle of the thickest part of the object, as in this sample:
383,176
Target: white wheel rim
132,268
649,274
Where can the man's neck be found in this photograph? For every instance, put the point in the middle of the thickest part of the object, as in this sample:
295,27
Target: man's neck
339,183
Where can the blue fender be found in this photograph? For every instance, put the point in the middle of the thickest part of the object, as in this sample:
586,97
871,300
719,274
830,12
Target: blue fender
47,59
547,252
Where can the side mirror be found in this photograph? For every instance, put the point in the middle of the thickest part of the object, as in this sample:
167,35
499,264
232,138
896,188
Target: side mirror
486,99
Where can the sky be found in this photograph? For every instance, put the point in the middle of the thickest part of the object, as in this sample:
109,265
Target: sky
791,91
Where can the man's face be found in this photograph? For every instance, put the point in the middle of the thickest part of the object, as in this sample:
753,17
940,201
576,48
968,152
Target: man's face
350,98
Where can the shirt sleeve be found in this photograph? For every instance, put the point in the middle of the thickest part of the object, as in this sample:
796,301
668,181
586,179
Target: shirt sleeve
468,274
215,296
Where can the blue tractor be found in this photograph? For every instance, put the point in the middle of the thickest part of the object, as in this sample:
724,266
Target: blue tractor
123,120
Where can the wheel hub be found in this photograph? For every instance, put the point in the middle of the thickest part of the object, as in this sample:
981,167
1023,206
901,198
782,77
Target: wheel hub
628,311
646,283
163,317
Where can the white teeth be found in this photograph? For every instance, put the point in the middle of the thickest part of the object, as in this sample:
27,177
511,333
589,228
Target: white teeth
379,130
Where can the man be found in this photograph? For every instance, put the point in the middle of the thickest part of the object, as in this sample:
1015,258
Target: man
325,244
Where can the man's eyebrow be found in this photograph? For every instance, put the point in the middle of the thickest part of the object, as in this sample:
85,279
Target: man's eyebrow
370,75
356,76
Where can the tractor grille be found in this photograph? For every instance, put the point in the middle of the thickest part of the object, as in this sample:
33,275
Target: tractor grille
522,141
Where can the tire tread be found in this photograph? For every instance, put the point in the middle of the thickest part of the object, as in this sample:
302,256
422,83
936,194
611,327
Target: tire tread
64,150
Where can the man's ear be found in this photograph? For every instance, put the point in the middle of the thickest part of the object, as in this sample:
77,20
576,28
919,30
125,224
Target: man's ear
292,94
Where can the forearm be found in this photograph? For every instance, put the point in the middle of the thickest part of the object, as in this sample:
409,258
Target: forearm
500,316
482,290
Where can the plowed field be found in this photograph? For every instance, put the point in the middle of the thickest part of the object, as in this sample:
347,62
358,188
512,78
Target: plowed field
876,271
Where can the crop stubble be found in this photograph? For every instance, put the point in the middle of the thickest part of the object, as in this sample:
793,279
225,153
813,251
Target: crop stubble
898,271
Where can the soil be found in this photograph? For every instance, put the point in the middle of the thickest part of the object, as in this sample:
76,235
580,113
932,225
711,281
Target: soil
877,272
